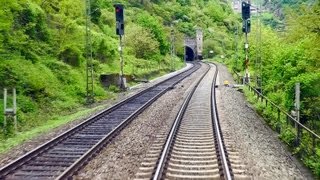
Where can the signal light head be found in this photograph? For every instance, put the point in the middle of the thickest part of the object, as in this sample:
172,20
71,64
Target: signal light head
119,12
245,10
119,9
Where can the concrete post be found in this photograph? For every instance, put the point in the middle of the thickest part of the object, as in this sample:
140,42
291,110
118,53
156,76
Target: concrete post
10,112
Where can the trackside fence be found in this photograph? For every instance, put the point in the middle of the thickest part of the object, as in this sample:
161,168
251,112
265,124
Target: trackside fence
295,134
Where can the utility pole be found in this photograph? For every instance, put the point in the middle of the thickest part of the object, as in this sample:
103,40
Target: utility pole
236,45
172,48
89,68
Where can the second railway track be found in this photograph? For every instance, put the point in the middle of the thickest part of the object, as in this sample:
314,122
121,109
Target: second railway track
63,156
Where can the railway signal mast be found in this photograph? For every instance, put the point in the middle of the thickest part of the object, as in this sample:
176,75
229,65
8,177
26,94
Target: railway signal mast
246,27
90,92
119,10
258,63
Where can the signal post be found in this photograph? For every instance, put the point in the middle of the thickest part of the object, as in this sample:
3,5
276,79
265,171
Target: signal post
246,29
119,11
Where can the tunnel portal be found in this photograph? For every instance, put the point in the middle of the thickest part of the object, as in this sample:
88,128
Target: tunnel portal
190,56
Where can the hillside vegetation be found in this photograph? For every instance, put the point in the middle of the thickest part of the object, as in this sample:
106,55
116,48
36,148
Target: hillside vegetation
289,54
42,47
42,53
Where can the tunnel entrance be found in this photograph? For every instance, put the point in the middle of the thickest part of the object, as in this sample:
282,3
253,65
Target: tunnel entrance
189,54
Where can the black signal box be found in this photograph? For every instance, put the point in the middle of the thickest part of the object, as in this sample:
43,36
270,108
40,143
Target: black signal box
245,10
246,26
119,11
119,8
120,28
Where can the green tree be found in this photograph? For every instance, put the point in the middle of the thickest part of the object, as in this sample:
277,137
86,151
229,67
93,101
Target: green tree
142,42
155,27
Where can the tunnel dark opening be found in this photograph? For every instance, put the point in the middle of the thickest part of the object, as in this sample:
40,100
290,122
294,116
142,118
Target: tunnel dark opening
189,54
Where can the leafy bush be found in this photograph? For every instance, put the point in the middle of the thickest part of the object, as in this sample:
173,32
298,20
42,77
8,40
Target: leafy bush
141,42
26,104
71,55
288,136
31,18
104,50
146,20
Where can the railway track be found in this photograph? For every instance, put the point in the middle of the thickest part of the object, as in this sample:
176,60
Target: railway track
194,148
64,155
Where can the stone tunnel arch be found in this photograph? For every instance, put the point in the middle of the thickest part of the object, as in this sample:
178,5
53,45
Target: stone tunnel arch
189,53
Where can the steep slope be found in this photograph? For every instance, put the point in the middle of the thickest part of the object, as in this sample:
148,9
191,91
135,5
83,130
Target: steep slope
43,55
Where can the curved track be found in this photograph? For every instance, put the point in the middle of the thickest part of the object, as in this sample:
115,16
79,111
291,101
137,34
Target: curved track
194,148
64,155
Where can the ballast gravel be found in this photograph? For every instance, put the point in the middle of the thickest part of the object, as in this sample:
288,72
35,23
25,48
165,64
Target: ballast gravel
40,139
122,158
260,149
264,155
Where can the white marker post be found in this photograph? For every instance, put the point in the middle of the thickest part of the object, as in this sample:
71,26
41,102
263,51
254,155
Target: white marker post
10,112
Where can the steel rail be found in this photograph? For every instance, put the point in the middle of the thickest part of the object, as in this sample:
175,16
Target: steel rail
8,169
215,118
165,152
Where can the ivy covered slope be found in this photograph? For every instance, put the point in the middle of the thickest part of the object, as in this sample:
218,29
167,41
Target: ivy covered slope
42,47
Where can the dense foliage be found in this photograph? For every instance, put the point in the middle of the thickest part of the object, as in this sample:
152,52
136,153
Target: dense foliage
42,50
289,54
43,55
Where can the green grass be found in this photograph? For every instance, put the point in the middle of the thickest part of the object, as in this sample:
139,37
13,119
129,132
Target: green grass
7,144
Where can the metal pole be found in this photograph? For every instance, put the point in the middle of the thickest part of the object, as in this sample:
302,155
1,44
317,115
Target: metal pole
297,106
89,68
174,51
15,109
87,49
122,86
247,58
185,51
258,52
5,108
260,44
236,46
172,47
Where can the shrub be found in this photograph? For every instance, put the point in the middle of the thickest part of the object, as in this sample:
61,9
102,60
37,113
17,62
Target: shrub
71,55
155,27
142,42
288,136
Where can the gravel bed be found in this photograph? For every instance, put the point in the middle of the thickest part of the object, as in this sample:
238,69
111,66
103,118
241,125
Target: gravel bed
122,158
40,139
264,155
